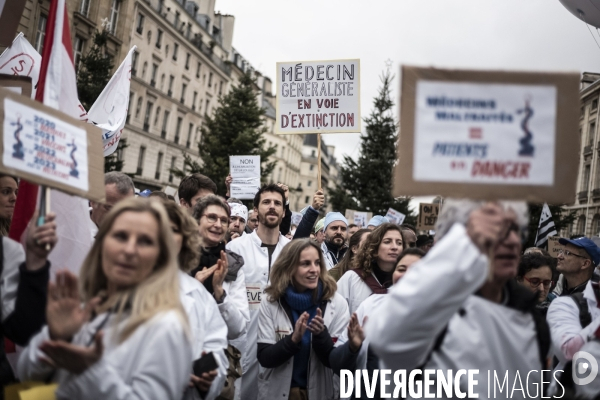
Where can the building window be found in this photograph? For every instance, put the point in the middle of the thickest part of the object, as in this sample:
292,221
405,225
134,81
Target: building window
84,9
596,225
158,166
163,132
153,77
175,50
581,225
178,129
206,106
177,16
156,116
138,108
194,101
78,51
309,183
198,70
187,61
591,133
171,80
306,199
586,178
220,87
159,36
183,89
149,106
311,167
189,138
114,16
129,106
139,24
140,163
144,68
173,161
134,61
312,153
210,76
40,33
595,104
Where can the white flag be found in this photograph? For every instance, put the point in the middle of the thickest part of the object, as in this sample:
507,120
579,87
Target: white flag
546,227
109,112
23,60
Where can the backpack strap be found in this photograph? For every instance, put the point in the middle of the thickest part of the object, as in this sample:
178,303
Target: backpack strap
585,318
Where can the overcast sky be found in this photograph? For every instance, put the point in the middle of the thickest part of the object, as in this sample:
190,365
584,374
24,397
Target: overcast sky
480,34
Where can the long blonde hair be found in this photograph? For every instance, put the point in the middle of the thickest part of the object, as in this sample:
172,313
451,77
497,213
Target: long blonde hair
159,292
285,266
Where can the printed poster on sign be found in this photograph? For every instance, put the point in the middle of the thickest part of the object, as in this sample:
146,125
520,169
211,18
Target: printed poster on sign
245,174
318,97
488,135
40,144
395,216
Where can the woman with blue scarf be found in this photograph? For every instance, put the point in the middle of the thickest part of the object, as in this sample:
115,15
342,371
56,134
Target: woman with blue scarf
300,319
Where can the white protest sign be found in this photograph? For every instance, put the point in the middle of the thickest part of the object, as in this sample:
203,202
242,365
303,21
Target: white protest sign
360,219
318,97
245,172
296,218
485,133
21,59
40,144
395,216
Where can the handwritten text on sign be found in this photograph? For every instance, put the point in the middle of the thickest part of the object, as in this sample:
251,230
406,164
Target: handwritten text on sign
428,214
484,133
41,144
318,96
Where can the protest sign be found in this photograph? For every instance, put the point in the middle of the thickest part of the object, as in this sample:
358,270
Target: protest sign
395,216
245,171
47,147
318,96
488,135
296,218
21,59
10,16
428,214
17,84
554,246
359,218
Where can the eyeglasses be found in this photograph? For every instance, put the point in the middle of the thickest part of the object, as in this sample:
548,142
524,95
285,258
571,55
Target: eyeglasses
568,253
213,218
535,282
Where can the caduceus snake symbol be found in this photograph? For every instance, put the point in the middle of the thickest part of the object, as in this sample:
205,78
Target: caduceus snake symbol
74,172
527,149
18,147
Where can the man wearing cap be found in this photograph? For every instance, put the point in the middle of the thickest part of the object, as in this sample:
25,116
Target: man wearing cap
237,220
571,326
334,246
376,221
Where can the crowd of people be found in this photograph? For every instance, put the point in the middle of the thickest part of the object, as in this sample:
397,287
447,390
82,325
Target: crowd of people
198,297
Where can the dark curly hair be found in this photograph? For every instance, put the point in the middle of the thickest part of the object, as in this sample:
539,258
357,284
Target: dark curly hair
368,252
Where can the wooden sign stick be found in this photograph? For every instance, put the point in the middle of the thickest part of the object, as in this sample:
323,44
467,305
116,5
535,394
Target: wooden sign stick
319,160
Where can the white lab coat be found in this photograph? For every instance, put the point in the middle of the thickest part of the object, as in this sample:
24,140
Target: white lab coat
234,308
256,270
153,363
14,255
205,320
563,320
484,335
353,289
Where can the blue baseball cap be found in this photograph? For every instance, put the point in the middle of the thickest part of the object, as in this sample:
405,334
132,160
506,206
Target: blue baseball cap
586,244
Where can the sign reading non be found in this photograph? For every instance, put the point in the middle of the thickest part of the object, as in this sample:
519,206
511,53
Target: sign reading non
318,97
395,216
245,171
428,214
47,147
488,135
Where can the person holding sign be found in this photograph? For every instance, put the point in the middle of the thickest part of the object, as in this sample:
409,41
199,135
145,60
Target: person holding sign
260,250
25,276
300,318
463,292
9,187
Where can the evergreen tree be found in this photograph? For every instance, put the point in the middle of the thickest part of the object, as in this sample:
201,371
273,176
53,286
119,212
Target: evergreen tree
366,184
561,217
235,128
93,73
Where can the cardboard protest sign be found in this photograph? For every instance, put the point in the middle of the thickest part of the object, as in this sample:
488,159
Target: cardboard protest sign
488,135
17,84
10,16
318,97
554,246
359,218
428,214
395,216
245,171
47,147
296,218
